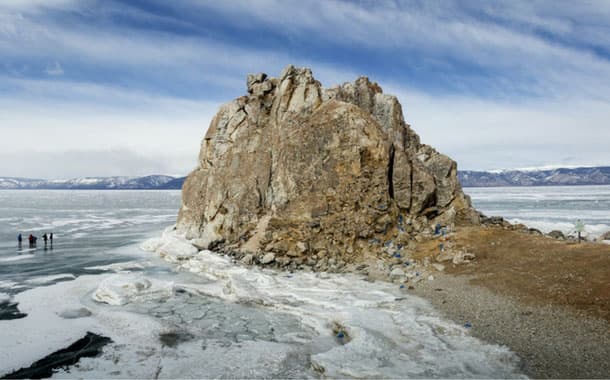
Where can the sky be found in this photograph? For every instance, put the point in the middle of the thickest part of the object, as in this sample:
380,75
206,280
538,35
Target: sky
101,88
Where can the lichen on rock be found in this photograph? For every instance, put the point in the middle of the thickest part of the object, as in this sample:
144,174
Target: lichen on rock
298,170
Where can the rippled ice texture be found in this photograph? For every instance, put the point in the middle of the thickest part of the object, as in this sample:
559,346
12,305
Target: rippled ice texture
90,227
548,208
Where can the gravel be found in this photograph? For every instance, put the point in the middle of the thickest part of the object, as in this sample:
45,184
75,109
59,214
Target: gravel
552,341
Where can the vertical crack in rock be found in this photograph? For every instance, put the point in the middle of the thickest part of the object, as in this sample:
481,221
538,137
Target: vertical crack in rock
411,185
329,167
391,172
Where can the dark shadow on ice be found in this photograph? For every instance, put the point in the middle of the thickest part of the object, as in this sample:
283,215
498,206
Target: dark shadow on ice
88,346
9,310
173,338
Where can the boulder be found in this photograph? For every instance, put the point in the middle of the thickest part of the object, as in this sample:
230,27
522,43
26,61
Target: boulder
248,259
268,258
556,234
438,267
296,168
397,273
493,220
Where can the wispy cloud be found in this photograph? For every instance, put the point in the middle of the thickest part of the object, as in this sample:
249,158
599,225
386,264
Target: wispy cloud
488,83
486,134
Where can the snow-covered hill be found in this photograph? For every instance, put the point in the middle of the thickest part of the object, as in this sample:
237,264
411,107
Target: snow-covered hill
150,182
553,177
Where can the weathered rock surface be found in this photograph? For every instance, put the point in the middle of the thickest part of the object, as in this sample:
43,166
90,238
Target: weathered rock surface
303,171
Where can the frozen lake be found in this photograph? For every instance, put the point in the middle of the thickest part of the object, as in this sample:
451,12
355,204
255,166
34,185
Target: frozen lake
547,207
197,314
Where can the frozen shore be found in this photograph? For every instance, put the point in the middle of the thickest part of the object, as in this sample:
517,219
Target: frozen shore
206,316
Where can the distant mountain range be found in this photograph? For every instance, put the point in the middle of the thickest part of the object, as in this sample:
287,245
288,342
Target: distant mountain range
151,182
554,177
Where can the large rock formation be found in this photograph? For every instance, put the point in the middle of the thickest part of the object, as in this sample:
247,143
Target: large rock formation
295,169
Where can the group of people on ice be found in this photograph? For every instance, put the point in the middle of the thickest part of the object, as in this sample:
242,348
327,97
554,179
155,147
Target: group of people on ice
32,239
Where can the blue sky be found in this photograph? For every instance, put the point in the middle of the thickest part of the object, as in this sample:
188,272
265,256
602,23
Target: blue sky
129,87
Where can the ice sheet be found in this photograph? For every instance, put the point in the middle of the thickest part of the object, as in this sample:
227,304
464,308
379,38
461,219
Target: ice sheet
44,330
212,318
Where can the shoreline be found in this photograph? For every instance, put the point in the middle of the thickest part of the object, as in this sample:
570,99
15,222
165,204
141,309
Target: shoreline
552,341
545,299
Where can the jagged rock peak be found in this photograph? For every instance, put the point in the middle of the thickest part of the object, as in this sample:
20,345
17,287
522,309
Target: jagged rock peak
301,171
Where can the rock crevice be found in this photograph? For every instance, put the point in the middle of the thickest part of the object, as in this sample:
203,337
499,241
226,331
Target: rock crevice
298,170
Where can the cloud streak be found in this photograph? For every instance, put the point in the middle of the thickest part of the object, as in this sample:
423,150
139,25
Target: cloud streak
499,84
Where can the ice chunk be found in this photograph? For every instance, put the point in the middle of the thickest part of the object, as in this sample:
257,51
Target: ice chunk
45,280
128,266
151,245
171,246
176,250
124,288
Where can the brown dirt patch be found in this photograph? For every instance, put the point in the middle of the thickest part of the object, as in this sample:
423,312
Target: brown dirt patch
534,269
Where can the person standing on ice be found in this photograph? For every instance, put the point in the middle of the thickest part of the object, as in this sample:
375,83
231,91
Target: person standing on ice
19,238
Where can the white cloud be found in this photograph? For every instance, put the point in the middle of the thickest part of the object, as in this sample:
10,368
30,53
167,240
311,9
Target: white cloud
36,5
446,32
485,134
70,163
50,118
565,122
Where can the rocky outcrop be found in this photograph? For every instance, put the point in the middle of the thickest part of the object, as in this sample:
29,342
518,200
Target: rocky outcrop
301,171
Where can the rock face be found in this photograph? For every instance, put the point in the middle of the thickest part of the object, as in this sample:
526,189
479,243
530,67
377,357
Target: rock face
299,170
